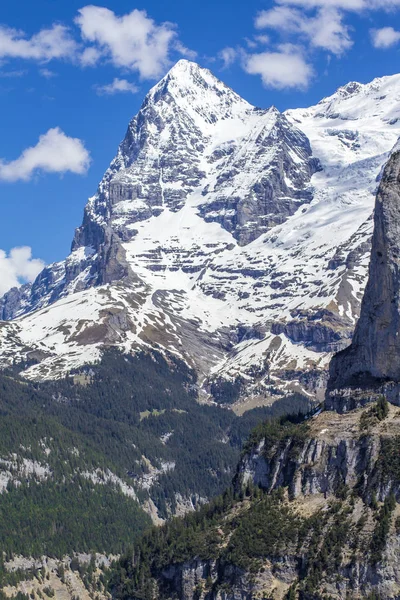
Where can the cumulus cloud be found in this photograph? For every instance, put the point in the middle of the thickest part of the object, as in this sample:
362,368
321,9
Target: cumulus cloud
133,41
324,30
344,4
54,153
18,267
385,37
228,56
310,25
383,4
89,57
350,5
117,86
55,42
286,68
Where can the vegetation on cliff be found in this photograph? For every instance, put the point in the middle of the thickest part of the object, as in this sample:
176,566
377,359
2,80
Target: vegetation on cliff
251,537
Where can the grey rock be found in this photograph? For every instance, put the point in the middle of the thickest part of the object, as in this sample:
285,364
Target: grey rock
271,199
373,358
13,300
322,331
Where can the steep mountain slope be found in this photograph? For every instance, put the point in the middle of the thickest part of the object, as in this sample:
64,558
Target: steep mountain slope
236,238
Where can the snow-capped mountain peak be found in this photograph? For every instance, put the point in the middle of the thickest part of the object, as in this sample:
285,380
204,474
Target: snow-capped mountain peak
187,78
234,237
196,91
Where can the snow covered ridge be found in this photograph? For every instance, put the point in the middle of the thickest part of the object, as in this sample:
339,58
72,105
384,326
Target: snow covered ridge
234,237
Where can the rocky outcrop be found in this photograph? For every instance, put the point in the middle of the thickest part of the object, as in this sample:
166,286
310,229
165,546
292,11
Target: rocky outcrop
215,580
276,576
373,358
322,331
46,289
97,258
325,455
13,301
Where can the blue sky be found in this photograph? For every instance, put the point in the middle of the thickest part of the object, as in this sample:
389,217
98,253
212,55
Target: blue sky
76,73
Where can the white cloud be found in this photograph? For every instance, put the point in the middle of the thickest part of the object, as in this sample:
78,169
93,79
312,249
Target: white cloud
320,23
186,52
280,17
343,4
47,74
18,267
118,85
262,39
383,4
133,41
250,43
228,56
325,30
90,57
300,27
54,153
350,5
55,42
385,37
284,69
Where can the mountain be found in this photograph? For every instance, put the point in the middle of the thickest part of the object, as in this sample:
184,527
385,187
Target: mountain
313,512
235,238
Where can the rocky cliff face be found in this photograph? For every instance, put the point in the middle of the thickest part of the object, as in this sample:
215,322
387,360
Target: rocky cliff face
373,359
216,217
330,452
316,515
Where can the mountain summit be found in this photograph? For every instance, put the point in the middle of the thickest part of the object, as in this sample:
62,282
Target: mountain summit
236,238
197,90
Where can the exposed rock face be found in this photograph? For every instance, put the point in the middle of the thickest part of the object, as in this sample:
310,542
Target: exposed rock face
374,355
322,331
189,135
190,580
64,582
12,302
352,452
336,452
